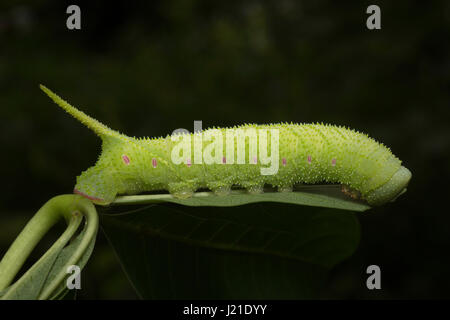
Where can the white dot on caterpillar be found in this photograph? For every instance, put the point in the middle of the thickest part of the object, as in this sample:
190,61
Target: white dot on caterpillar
126,160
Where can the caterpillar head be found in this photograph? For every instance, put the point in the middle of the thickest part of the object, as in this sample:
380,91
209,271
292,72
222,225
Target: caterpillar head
392,189
97,185
114,173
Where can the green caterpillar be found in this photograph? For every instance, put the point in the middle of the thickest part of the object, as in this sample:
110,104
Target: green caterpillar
305,153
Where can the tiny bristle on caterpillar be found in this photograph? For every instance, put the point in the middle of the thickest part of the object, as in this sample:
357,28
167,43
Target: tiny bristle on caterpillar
305,153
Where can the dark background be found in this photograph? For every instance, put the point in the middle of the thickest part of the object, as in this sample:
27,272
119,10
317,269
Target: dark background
147,68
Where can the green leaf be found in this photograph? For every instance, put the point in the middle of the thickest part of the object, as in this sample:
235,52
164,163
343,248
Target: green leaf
46,270
64,257
46,279
32,282
327,196
256,251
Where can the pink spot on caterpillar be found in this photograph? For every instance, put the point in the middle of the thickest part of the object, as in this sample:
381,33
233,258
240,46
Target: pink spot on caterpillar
255,159
333,162
126,160
188,162
284,161
154,163
224,160
309,159
87,196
